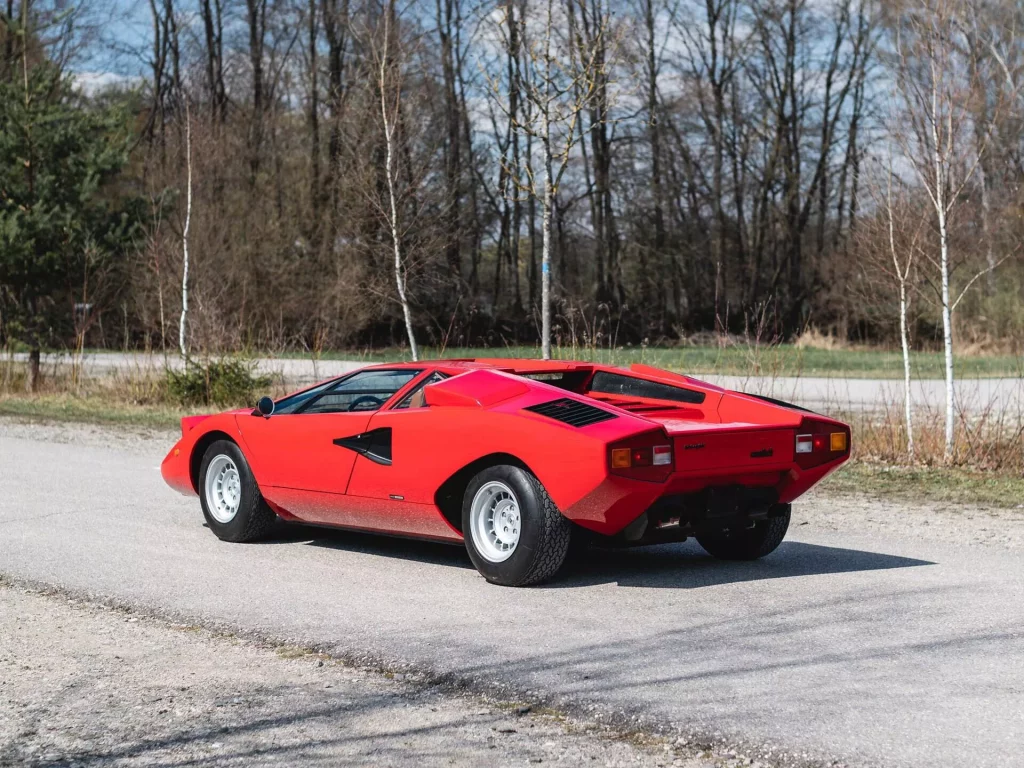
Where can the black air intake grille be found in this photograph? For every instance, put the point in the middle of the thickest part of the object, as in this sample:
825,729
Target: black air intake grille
571,412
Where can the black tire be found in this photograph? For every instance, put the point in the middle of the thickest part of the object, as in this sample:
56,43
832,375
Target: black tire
254,517
748,543
544,539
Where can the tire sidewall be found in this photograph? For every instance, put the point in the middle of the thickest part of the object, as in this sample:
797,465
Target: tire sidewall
236,528
525,488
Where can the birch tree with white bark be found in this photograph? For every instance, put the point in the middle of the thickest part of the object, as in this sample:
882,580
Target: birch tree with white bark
935,133
389,82
892,248
182,323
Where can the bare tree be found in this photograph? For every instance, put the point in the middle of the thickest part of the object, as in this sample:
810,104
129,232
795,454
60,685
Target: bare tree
182,346
935,86
390,83
559,84
891,249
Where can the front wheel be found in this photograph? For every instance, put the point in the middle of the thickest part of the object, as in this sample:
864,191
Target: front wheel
232,503
514,533
748,543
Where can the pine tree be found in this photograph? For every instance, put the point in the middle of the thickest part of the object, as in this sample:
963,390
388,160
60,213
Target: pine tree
60,216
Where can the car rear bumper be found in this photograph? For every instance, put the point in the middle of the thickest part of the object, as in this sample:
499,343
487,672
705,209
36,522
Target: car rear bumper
709,498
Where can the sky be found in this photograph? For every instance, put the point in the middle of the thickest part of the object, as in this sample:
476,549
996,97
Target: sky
121,30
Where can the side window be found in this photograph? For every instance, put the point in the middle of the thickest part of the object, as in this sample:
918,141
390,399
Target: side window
364,391
415,398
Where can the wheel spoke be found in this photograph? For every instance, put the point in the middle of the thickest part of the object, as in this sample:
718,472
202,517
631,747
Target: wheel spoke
223,489
495,521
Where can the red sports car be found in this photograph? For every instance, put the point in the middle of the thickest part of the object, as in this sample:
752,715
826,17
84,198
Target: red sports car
516,458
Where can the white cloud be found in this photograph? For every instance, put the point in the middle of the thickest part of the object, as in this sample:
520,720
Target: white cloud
91,83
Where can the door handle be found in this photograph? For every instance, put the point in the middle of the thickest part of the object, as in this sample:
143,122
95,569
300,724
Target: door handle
374,445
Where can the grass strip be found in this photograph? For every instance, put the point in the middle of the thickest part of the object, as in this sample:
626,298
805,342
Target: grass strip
776,360
90,410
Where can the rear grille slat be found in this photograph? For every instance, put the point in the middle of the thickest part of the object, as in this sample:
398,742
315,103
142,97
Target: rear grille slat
571,412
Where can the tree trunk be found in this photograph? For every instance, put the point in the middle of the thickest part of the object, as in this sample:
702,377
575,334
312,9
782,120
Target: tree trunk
257,20
314,118
32,383
453,144
947,330
390,125
905,343
182,346
545,253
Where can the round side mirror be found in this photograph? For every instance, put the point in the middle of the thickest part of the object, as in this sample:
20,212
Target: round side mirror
265,406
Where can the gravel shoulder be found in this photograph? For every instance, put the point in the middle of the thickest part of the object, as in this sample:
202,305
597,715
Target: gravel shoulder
85,684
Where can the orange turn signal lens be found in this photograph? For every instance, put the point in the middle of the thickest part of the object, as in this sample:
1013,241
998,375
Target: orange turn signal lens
621,458
838,441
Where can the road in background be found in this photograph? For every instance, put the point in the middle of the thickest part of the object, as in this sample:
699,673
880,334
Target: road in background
869,647
998,396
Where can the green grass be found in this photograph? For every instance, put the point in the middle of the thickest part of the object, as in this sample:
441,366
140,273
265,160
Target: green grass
90,410
937,484
779,360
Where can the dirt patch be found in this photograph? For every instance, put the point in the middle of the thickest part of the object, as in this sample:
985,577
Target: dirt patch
946,522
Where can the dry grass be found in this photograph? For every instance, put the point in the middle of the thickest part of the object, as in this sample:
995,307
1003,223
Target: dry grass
135,395
812,338
988,437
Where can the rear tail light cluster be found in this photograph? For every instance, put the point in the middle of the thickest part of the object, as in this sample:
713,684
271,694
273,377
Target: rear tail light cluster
819,442
651,456
646,458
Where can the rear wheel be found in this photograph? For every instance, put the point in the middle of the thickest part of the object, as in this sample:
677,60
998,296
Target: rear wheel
232,503
514,533
748,543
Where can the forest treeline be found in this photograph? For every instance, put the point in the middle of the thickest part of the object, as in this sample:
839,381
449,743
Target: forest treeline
672,166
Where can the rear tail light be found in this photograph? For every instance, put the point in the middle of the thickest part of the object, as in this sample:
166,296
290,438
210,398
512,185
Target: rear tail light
821,443
663,456
646,458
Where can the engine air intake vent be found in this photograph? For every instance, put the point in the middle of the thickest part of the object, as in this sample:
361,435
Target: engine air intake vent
571,412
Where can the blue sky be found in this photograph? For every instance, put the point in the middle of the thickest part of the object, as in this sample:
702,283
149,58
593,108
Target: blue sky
124,27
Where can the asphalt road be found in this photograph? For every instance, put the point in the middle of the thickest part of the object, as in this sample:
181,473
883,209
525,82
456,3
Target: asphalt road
871,648
998,396
83,685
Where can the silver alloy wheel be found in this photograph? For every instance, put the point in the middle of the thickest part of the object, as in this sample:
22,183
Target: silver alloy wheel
495,521
223,488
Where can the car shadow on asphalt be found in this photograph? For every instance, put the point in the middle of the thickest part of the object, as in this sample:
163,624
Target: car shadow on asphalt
668,566
364,542
687,566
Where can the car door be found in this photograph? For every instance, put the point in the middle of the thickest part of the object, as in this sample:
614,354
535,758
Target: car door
386,486
299,446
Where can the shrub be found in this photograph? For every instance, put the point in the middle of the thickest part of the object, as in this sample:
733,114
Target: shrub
227,382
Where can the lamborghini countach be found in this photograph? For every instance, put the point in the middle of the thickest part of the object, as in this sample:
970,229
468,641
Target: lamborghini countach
519,460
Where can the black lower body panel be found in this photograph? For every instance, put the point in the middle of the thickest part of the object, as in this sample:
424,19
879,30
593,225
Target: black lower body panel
676,518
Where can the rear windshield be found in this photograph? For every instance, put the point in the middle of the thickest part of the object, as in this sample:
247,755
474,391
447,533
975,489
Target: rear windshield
630,386
568,380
